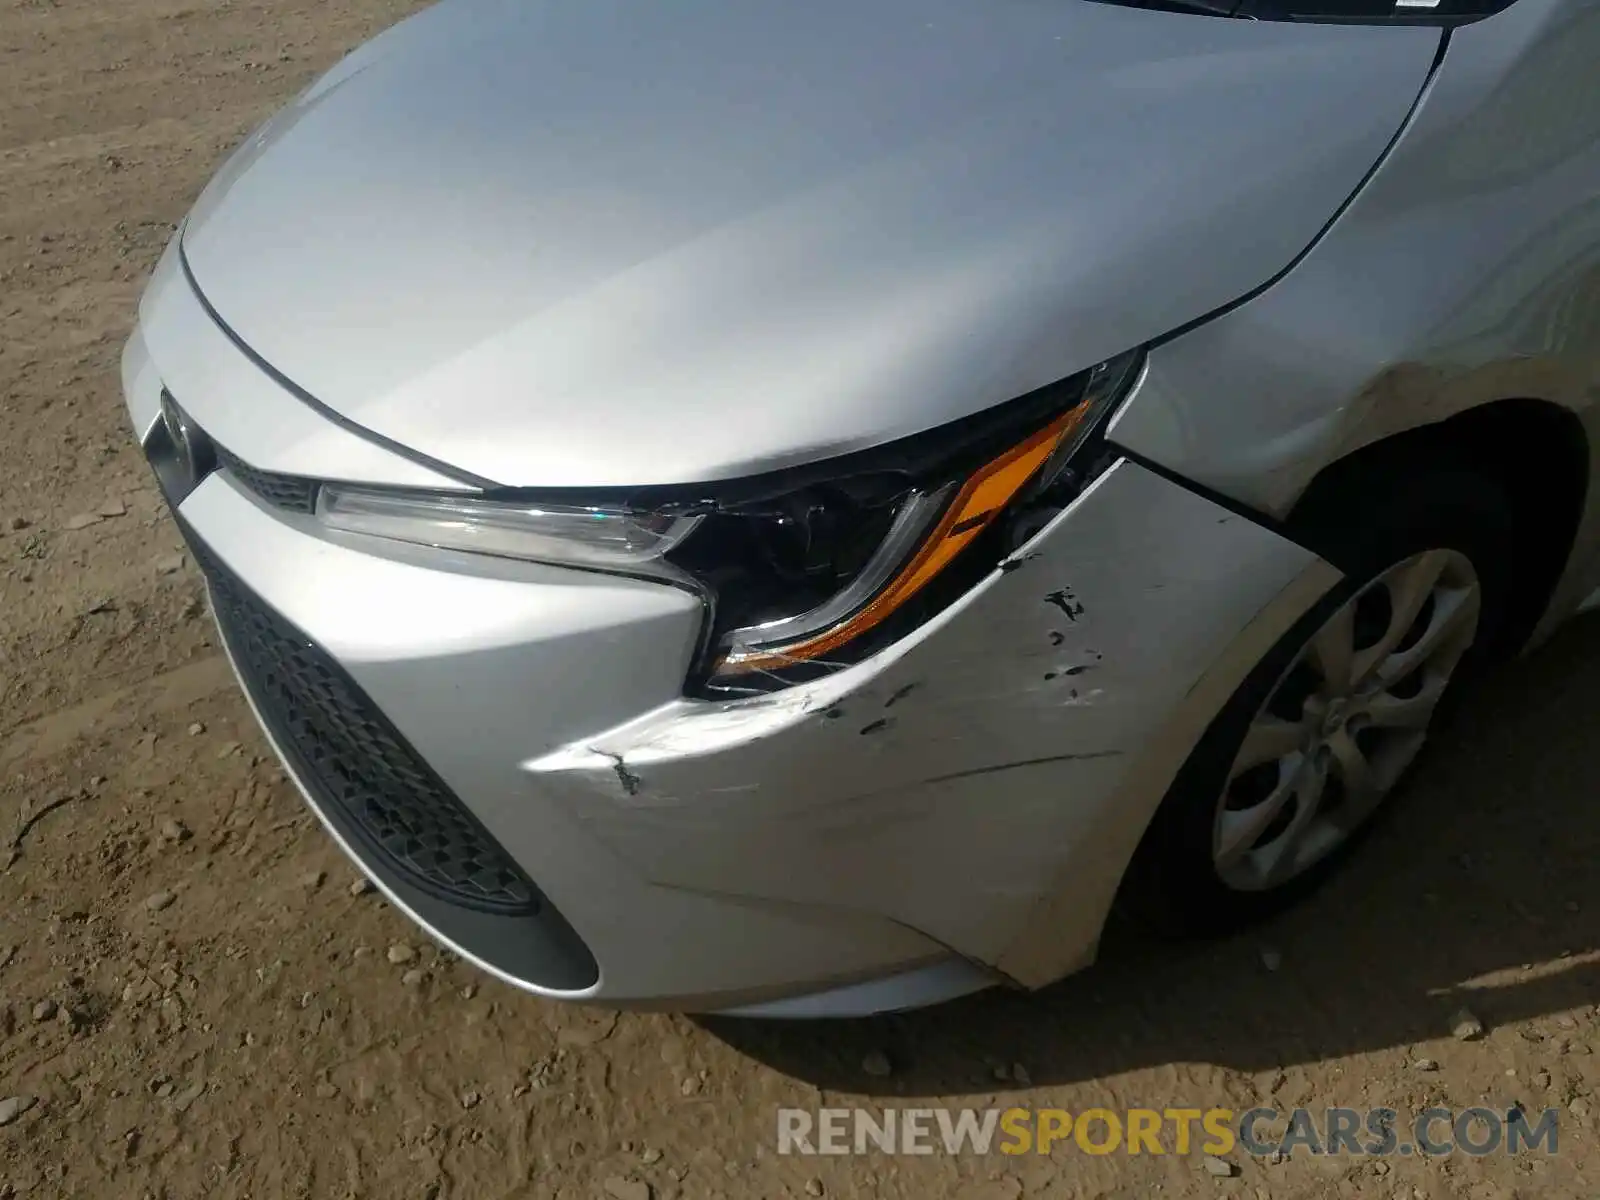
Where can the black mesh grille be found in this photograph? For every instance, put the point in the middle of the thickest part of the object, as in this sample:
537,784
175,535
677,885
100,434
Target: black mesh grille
292,492
351,756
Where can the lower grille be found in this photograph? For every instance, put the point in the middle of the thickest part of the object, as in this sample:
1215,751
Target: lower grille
350,756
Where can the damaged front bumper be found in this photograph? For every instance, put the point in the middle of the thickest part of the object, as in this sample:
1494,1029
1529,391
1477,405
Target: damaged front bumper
879,838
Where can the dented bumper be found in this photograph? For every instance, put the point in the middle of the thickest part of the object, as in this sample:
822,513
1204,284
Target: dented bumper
890,835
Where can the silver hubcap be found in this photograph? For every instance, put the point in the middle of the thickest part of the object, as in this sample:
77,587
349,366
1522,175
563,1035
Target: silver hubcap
1345,720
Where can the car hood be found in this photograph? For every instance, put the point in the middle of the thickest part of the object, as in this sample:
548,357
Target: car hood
619,243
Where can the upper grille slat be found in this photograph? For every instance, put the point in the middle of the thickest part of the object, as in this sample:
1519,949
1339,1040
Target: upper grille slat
293,493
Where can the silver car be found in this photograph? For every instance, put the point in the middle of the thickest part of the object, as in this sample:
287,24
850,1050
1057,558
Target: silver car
796,509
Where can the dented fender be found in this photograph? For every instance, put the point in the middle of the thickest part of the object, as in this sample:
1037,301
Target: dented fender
980,751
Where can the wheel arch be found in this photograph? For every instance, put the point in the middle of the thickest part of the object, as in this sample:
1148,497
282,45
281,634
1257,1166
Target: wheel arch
1537,450
1540,451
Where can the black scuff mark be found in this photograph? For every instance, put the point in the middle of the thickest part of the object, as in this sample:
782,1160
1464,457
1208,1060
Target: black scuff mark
630,782
1012,564
877,726
832,714
1026,762
1078,670
900,694
1057,637
1067,602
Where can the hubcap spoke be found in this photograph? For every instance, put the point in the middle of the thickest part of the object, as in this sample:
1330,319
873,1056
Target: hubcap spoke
1269,738
1388,711
1409,588
1239,829
1354,771
1333,650
1330,777
1455,620
1282,859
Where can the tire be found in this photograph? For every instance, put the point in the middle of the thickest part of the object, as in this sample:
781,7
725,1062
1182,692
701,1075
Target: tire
1184,879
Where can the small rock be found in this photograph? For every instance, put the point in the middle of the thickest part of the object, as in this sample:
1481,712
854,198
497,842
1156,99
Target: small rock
174,831
1541,1079
619,1188
400,953
1578,1107
196,729
689,1086
1465,1026
184,1099
470,1099
112,508
1425,1064
312,880
468,992
13,1107
159,901
361,887
813,1187
327,1090
1271,959
877,1064
44,1010
163,1090
414,977
650,1157
170,565
1220,1167
82,521
1380,1168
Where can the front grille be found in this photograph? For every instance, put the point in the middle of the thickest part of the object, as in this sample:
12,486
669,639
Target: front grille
349,755
294,493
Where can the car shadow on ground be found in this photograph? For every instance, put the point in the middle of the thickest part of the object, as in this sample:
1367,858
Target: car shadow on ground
1479,890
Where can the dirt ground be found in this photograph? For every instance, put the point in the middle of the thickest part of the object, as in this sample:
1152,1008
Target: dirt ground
197,1003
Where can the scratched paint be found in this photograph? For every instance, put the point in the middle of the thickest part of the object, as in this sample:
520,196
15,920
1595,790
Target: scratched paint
964,762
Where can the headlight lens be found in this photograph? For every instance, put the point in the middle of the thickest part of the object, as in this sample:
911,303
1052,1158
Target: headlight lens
613,538
811,569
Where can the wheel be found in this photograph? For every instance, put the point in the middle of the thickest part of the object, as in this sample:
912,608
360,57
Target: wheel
1297,764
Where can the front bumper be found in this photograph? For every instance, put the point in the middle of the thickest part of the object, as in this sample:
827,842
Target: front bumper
871,840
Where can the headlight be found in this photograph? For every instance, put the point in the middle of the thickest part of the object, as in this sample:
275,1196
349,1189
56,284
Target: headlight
809,569
596,536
